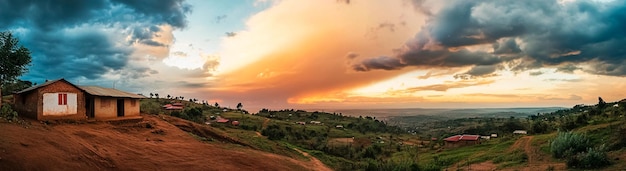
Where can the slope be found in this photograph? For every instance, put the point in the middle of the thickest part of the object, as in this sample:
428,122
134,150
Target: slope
152,144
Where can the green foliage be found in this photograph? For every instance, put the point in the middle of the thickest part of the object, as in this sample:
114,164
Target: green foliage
14,59
578,151
7,113
273,132
568,144
539,127
591,159
14,86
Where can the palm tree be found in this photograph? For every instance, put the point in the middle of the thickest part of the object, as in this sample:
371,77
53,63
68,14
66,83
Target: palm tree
151,95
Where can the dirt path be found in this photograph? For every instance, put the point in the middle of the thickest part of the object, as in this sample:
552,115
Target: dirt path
315,163
265,123
535,160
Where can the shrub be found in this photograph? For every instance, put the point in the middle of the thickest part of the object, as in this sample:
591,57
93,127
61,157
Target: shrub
568,144
593,158
8,113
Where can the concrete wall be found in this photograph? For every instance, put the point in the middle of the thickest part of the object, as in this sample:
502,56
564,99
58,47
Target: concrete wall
129,109
105,107
51,104
62,86
108,111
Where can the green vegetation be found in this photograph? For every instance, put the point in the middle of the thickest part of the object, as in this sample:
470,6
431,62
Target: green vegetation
578,151
7,113
366,143
14,59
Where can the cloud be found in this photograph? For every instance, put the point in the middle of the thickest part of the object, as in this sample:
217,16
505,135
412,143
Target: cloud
306,59
448,85
478,71
523,34
91,39
570,97
535,73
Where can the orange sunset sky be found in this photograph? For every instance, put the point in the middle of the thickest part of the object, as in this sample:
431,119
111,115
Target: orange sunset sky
330,54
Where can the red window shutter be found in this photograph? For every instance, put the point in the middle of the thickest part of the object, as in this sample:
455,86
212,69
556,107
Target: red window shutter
60,99
64,99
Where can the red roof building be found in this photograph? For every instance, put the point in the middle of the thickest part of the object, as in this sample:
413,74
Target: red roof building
172,107
462,140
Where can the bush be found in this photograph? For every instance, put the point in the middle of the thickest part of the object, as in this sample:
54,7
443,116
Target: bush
8,113
273,132
577,150
568,144
593,158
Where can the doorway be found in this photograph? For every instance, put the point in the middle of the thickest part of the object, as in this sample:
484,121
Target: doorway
120,107
89,106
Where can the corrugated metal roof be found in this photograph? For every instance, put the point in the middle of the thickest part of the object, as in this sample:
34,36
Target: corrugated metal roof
462,138
109,92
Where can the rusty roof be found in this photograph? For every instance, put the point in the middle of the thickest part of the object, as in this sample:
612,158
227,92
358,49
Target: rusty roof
109,92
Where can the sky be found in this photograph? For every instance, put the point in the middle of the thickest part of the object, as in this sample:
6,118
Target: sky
332,54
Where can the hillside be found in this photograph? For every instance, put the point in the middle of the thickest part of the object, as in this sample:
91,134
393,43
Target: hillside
155,143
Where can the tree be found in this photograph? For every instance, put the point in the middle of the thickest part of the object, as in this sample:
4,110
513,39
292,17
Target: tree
157,96
168,96
151,95
217,105
14,59
16,86
239,106
601,103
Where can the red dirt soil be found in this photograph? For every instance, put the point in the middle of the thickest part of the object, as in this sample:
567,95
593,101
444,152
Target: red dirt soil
152,144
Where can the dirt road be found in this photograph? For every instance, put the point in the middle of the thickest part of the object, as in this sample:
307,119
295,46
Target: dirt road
315,163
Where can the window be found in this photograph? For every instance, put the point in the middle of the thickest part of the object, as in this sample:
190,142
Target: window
105,103
62,98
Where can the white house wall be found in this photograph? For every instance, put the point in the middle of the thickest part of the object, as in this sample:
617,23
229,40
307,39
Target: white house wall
51,104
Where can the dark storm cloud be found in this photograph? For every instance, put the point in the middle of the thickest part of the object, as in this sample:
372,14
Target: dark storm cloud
172,12
478,71
538,32
76,38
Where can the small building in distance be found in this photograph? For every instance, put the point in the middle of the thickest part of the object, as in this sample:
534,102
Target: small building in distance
60,99
520,132
461,140
175,106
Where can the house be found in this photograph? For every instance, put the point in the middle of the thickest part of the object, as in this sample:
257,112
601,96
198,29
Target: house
485,137
462,140
316,122
175,106
339,126
57,99
301,123
522,132
222,120
60,99
105,103
494,135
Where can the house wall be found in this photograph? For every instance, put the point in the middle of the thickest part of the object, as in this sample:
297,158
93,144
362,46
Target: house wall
129,108
26,104
105,107
61,86
51,104
454,144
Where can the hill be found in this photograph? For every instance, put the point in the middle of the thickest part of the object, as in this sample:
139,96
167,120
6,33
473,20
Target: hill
156,143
